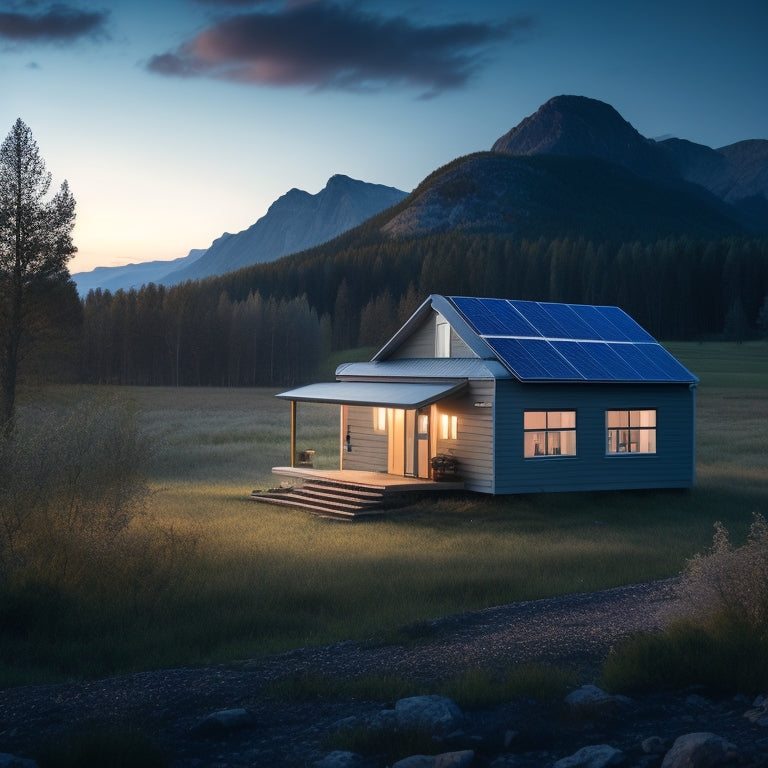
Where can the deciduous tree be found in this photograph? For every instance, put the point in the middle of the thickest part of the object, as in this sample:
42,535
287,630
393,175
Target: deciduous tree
35,246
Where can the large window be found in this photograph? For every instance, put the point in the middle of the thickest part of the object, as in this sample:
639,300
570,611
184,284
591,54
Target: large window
630,431
549,433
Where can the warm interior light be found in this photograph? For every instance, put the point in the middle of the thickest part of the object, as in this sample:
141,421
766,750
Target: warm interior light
379,419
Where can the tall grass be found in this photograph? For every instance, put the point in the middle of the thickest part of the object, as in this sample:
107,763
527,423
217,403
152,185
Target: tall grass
269,579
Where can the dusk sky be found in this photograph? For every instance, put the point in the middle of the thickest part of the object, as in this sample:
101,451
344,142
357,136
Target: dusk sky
177,120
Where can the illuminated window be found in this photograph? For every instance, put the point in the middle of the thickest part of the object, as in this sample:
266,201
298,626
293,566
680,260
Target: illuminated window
549,433
379,420
443,340
449,427
630,431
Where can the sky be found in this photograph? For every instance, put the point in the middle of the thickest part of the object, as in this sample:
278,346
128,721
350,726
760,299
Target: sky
175,121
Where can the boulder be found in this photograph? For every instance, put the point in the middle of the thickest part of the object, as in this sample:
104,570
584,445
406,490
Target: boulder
225,721
437,715
596,756
700,750
462,759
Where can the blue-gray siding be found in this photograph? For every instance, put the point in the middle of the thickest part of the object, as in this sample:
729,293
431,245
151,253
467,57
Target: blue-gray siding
672,466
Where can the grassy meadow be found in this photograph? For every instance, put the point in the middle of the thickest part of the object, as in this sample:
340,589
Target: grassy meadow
220,578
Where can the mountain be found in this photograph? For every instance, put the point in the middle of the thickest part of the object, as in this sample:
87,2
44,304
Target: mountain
294,222
131,275
577,168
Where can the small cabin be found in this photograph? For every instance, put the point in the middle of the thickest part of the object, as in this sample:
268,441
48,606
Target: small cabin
516,397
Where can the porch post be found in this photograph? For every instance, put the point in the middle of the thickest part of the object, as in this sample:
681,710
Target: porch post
293,433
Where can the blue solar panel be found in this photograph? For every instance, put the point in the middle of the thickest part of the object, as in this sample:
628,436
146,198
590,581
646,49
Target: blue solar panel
494,317
539,318
569,320
517,359
540,341
602,327
665,361
579,357
626,324
646,369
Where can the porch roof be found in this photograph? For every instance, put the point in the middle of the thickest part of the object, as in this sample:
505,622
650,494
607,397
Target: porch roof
390,394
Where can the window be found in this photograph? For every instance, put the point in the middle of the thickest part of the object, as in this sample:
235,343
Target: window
549,433
379,420
449,427
630,431
442,340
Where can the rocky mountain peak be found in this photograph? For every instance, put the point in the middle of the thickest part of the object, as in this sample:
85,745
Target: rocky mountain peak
578,126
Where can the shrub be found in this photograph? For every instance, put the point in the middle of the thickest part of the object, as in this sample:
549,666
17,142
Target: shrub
70,483
732,581
724,646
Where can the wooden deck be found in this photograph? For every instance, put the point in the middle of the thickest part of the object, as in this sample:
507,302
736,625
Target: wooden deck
346,494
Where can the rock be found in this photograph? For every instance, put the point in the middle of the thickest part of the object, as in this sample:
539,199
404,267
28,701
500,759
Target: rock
11,761
654,745
700,750
759,714
416,761
462,759
597,756
340,759
225,721
589,699
437,715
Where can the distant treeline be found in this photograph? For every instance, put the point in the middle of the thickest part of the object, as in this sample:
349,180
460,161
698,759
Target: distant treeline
272,324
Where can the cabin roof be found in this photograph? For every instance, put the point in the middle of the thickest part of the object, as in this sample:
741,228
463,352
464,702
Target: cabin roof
552,342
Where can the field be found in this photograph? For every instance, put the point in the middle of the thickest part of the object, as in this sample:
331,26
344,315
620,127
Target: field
234,579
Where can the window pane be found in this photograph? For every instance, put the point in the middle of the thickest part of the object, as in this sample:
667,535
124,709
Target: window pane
535,420
535,444
614,419
561,419
567,443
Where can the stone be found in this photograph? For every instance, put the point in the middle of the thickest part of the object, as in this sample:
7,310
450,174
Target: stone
340,759
416,761
654,745
437,715
596,756
589,698
462,759
700,750
225,721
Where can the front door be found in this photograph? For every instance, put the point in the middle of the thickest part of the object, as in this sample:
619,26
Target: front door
408,443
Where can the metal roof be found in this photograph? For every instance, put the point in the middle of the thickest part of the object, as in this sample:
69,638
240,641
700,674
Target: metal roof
380,393
423,368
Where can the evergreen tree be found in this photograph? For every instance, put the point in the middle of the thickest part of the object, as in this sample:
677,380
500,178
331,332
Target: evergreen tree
35,246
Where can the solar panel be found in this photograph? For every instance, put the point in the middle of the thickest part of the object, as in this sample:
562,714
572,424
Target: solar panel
586,364
575,327
540,319
626,324
494,317
543,341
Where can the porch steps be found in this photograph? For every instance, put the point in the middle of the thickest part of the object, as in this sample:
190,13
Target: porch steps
331,498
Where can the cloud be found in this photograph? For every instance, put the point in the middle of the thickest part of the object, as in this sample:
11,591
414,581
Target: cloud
59,23
325,45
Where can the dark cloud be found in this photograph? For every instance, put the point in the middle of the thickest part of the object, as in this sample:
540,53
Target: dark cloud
59,23
325,45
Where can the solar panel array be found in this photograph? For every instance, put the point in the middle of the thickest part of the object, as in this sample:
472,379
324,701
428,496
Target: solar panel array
540,341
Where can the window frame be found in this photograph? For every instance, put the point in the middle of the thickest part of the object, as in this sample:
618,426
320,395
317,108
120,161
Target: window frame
635,433
552,447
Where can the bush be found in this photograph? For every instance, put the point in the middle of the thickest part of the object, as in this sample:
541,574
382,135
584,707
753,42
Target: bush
732,582
70,484
724,646
83,563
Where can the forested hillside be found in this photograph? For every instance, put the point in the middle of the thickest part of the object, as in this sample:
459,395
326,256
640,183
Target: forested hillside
271,324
